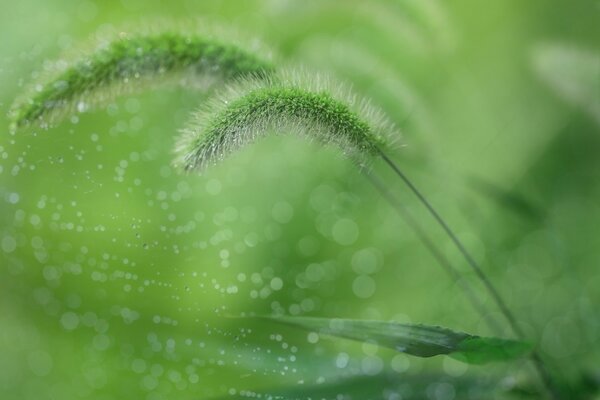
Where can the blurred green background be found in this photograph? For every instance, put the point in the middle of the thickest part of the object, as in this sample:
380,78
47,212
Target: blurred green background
117,274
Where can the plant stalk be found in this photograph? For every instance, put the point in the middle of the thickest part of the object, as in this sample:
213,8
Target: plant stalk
441,259
535,357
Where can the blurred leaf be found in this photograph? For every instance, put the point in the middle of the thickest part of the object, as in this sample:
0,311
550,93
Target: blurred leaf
508,199
383,386
115,271
417,340
573,73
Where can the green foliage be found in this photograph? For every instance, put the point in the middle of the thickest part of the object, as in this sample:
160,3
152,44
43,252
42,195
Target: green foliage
116,272
280,105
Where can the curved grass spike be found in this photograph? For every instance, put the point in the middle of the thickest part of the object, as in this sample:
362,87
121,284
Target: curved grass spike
252,109
130,61
255,109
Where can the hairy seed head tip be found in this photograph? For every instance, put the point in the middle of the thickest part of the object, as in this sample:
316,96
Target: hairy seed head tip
308,105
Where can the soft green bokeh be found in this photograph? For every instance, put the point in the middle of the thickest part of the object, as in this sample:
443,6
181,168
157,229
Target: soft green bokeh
118,275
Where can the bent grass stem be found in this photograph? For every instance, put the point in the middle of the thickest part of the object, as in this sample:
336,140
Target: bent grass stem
535,356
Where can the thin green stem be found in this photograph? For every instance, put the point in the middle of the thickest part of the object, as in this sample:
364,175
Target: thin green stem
441,259
461,248
535,357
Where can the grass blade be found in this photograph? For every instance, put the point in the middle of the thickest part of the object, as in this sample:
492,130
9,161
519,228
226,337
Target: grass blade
415,339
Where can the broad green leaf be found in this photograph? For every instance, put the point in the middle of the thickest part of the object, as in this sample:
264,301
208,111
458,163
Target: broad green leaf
417,340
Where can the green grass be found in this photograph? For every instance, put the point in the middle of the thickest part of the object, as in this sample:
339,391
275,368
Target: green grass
117,274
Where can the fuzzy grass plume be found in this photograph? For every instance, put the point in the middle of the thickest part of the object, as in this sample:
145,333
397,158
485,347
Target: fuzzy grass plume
130,61
288,103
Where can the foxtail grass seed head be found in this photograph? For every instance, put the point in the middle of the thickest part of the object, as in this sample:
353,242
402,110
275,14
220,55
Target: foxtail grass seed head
295,103
131,62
